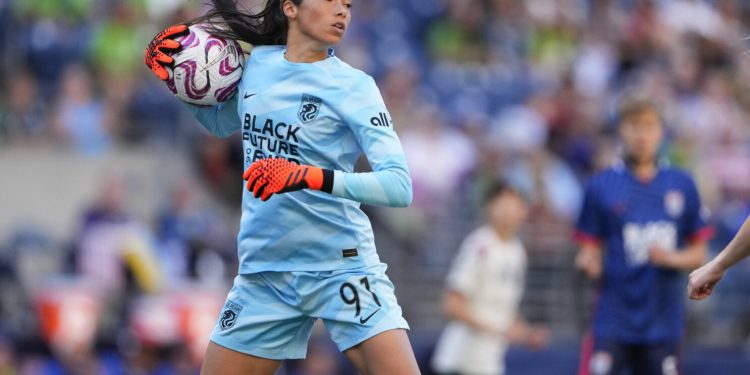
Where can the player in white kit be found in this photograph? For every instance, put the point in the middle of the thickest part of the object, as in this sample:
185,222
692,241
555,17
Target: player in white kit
484,289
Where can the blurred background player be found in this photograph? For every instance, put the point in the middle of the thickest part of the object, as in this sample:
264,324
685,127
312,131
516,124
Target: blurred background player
639,228
484,290
702,281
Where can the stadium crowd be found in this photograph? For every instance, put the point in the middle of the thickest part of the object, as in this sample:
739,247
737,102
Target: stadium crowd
478,89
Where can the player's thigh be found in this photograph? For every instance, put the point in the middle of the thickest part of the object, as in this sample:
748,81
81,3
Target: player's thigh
261,318
386,353
360,310
222,361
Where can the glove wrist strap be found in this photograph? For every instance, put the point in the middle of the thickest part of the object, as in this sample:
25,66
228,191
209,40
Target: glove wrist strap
327,181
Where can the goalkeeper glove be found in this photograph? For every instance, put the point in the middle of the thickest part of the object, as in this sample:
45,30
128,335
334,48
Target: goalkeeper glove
155,56
266,177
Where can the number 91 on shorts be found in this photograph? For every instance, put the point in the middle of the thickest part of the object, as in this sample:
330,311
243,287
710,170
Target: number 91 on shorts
271,314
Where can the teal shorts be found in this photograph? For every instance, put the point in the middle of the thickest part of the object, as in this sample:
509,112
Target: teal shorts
271,314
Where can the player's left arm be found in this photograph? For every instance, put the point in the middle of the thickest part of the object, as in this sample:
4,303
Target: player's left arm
698,232
521,332
389,184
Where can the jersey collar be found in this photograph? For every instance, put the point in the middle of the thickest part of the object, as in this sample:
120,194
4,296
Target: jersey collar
620,165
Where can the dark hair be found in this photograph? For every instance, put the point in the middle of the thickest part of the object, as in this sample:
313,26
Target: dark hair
498,188
269,26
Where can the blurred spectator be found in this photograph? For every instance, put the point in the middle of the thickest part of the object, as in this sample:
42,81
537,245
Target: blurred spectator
152,115
80,118
50,42
22,115
549,182
111,241
5,27
458,37
438,157
189,233
519,129
116,48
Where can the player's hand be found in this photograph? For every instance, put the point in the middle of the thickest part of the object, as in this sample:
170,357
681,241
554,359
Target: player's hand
660,257
589,261
531,336
537,338
271,176
155,57
702,281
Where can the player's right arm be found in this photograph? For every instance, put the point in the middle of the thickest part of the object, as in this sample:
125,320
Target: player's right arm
221,120
522,332
702,281
589,260
456,306
588,235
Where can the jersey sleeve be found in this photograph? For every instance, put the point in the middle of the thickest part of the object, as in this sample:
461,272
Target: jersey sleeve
389,183
696,227
463,274
221,120
589,227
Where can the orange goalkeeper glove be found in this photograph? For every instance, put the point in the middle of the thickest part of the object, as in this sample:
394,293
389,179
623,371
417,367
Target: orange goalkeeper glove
155,56
267,177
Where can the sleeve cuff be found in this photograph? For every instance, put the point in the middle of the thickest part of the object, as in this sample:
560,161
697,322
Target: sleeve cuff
584,238
328,178
703,234
338,186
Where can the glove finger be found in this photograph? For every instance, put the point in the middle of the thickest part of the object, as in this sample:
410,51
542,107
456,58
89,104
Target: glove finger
172,31
253,180
267,194
163,58
160,72
169,44
251,169
260,189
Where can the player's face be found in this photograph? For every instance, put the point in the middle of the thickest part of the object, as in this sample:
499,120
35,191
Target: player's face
507,211
324,21
642,134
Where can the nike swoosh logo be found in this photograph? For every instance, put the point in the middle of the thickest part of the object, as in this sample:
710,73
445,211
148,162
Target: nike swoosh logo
249,95
363,321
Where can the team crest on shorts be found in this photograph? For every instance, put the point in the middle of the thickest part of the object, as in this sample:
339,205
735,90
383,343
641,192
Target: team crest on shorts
309,108
674,203
229,315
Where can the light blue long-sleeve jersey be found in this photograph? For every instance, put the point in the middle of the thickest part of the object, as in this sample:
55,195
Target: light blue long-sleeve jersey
324,114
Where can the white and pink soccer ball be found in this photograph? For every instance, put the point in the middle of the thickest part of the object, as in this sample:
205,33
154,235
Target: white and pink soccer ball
208,68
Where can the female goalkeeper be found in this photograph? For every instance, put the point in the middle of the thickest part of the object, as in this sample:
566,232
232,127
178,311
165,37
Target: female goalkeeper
306,250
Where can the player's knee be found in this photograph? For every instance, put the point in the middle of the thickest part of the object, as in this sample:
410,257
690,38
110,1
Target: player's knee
601,363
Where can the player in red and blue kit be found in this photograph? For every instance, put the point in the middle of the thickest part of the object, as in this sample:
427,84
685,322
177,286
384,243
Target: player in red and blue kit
640,227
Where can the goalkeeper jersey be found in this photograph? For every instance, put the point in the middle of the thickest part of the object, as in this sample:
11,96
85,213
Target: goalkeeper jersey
324,114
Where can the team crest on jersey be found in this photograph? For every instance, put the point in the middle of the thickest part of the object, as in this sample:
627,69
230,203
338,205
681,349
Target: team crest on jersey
674,203
309,108
229,315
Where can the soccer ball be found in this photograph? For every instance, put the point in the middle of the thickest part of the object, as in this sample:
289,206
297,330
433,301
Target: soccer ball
208,68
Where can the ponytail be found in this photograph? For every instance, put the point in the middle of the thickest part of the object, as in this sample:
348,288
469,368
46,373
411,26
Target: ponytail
267,27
